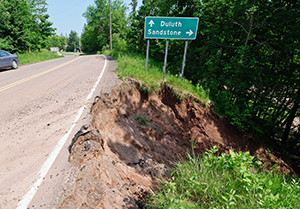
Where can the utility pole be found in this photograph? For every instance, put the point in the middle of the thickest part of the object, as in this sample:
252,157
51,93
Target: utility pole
29,49
110,33
79,44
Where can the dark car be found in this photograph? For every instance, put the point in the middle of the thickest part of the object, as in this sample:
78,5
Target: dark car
8,60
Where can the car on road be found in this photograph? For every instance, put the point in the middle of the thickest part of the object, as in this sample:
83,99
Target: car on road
8,60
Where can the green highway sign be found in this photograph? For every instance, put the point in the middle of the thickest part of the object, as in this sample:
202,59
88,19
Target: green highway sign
171,28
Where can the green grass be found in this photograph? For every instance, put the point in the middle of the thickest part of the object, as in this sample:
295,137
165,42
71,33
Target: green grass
27,58
224,181
210,181
90,53
133,65
71,53
142,120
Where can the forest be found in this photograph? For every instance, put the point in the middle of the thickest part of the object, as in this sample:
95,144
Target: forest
25,27
246,53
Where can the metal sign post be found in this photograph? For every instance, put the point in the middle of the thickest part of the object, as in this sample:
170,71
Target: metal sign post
166,55
147,55
184,28
183,62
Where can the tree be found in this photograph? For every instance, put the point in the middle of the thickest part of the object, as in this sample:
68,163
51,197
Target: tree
96,32
57,41
40,26
63,42
54,41
14,24
24,25
73,41
246,52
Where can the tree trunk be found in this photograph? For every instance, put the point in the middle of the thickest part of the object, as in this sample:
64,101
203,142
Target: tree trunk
290,119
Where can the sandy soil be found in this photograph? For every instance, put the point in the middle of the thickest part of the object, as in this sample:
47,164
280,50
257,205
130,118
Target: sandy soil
133,139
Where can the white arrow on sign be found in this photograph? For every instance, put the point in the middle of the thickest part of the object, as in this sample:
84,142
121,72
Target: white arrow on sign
189,32
151,23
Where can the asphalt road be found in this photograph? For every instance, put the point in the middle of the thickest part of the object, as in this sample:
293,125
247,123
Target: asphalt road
42,106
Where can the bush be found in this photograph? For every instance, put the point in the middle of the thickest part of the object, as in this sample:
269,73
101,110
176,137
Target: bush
225,182
118,43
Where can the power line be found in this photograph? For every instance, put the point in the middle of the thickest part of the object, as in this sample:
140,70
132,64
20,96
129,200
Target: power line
69,8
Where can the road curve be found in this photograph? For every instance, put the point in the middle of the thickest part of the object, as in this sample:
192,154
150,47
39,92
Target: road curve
39,103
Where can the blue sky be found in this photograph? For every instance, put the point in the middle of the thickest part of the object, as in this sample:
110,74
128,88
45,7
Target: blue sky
66,15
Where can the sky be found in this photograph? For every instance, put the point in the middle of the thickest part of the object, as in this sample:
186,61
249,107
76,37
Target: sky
66,15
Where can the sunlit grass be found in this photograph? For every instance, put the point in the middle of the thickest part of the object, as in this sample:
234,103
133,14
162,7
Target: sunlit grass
133,65
225,182
70,53
27,58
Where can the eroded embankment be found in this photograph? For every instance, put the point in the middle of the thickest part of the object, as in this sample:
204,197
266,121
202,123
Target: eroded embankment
134,137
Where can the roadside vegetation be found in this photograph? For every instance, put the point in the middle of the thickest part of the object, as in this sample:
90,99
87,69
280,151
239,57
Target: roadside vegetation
25,27
27,58
70,53
221,181
210,181
133,65
213,180
246,54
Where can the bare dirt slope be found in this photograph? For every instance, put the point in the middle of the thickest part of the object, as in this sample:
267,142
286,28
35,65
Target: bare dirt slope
133,138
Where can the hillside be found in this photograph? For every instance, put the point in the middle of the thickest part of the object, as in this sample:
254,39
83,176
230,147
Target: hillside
134,138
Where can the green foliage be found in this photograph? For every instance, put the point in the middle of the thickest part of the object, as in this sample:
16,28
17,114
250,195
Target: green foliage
142,120
251,75
73,41
57,41
225,182
95,36
54,41
118,43
24,25
246,53
6,43
133,65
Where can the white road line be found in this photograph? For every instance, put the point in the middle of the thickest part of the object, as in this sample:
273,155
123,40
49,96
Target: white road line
26,199
97,82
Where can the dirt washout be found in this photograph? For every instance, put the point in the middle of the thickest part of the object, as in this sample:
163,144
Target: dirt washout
133,137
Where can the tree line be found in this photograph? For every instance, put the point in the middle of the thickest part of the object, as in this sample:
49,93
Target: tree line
25,27
246,53
69,42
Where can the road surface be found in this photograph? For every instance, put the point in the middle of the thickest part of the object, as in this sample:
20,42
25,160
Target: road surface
42,106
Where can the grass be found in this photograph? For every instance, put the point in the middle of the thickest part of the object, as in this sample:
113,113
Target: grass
27,58
210,181
142,120
90,53
71,53
232,181
133,65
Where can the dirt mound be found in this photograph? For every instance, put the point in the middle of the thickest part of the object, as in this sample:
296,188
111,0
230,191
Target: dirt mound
134,137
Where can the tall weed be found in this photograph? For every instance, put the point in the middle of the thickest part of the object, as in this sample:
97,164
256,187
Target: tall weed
133,65
27,58
223,181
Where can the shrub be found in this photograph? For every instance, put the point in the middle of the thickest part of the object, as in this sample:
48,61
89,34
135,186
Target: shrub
225,182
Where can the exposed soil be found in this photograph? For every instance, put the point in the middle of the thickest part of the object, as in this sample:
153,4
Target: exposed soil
133,138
